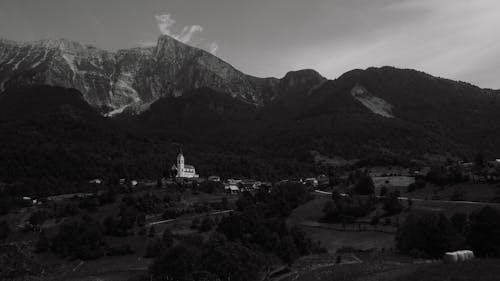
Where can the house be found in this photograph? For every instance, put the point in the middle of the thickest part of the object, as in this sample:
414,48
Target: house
96,181
250,185
323,180
184,170
234,181
313,182
214,178
232,188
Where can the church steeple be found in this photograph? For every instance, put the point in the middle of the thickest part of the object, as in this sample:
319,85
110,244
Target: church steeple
180,165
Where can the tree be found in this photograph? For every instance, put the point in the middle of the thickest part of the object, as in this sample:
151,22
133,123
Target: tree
152,231
81,238
363,184
392,205
430,234
43,243
231,261
383,191
168,238
4,230
224,203
154,248
484,236
177,263
479,160
206,224
460,221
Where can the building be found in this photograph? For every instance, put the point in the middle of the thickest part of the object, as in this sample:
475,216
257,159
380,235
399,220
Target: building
184,170
214,178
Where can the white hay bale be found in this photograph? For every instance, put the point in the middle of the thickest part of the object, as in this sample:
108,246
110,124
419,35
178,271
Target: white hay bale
469,255
450,257
461,256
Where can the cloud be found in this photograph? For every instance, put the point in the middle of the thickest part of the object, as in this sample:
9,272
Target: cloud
213,47
448,38
165,22
188,35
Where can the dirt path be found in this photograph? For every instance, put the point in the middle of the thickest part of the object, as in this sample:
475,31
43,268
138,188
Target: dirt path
189,218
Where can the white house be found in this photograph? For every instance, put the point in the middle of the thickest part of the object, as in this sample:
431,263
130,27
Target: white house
184,170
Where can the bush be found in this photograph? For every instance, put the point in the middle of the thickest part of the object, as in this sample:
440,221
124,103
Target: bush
171,213
89,204
152,231
211,187
80,238
383,191
195,223
206,224
154,248
348,209
216,259
121,250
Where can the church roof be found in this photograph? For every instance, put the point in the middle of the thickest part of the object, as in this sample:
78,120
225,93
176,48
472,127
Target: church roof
189,167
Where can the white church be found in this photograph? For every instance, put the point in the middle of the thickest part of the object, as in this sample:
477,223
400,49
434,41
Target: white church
184,170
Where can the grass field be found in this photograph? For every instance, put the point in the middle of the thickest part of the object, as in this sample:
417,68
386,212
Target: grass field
377,266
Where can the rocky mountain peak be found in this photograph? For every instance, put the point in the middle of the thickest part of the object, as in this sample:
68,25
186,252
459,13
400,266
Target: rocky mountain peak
134,78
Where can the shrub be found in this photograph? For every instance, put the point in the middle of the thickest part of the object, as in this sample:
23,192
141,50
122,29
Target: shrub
206,224
121,250
154,248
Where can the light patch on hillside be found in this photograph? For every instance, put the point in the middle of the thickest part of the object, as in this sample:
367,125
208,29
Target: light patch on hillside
375,104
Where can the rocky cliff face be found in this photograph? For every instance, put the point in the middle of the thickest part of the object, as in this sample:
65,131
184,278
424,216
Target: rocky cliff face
133,78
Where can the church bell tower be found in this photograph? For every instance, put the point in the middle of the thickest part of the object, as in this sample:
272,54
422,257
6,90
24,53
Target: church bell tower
180,165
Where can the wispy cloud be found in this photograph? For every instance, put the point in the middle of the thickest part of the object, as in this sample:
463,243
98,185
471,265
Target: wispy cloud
449,38
188,35
213,47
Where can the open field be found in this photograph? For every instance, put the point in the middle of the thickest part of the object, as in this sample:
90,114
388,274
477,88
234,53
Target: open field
393,181
111,268
376,266
334,240
386,270
363,235
464,191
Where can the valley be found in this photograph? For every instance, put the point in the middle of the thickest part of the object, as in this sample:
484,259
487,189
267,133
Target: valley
373,175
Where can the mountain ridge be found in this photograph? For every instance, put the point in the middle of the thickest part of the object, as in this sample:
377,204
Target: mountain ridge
135,77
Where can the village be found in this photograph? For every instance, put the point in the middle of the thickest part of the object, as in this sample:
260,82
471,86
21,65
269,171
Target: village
134,213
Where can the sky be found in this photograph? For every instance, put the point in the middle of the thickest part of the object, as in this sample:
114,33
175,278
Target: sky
456,39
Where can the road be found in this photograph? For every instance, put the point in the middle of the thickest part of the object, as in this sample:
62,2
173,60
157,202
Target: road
188,218
424,200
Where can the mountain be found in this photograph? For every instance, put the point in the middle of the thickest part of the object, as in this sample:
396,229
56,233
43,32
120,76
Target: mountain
132,78
377,111
229,123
